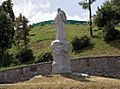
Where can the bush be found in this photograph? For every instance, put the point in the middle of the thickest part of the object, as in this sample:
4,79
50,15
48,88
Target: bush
80,43
5,60
45,57
42,24
110,34
25,55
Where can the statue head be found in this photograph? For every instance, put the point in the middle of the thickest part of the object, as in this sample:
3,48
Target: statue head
58,10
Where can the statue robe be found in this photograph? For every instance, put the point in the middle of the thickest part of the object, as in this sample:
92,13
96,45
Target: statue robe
59,23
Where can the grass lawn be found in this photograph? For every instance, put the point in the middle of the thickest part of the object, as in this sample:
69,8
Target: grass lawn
41,39
66,81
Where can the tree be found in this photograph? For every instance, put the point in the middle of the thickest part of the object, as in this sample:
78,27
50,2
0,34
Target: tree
87,5
7,7
107,17
24,54
22,31
116,8
6,32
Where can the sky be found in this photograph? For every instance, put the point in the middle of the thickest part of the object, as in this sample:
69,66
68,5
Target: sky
43,10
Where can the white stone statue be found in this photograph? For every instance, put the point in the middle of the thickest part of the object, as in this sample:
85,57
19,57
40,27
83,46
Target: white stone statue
59,21
60,46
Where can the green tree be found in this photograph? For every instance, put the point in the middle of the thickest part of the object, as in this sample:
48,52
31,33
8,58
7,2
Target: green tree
116,7
87,5
7,7
22,31
23,54
6,33
107,17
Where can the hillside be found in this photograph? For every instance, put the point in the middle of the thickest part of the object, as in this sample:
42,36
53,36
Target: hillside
41,38
68,21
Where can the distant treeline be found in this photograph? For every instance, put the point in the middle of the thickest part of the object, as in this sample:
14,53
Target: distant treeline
68,22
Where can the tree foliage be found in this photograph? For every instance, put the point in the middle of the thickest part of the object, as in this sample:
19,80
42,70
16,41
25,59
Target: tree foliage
22,31
116,7
6,31
6,25
7,7
6,37
107,17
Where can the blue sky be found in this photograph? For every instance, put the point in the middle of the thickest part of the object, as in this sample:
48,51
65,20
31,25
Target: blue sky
43,10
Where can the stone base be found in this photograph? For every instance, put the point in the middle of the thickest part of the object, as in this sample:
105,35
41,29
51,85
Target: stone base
61,65
61,62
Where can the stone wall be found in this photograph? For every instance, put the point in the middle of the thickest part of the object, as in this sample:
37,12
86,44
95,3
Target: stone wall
24,73
100,66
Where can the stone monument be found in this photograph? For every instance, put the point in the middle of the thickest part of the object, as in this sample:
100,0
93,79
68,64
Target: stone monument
60,46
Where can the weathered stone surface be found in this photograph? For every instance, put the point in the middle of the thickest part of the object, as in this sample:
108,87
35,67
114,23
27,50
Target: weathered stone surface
61,62
101,66
24,73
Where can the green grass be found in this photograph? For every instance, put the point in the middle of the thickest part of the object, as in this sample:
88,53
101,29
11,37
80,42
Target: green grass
42,38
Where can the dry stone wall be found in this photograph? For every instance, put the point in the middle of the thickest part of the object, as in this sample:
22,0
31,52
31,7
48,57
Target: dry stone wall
24,73
100,66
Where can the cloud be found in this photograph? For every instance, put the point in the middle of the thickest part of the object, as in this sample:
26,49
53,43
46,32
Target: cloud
82,17
29,8
33,11
75,17
47,5
43,10
43,17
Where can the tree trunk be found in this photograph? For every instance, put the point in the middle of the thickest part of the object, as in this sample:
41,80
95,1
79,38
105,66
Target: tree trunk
90,17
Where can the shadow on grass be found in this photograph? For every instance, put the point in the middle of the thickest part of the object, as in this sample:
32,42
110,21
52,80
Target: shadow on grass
75,77
90,47
114,43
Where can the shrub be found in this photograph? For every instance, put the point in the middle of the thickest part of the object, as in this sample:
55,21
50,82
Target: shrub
25,55
110,34
5,59
80,43
45,57
42,24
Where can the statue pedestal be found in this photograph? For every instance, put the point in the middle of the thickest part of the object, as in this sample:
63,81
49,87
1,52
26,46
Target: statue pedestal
61,63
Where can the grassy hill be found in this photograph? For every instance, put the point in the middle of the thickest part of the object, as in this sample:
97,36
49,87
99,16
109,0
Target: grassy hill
41,38
68,21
